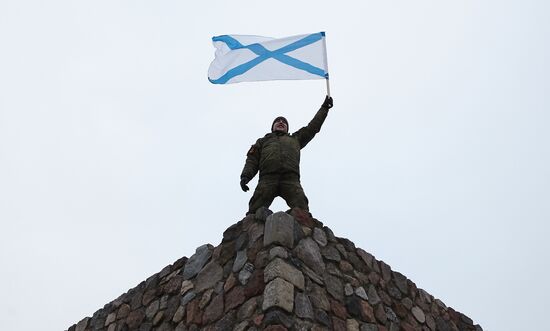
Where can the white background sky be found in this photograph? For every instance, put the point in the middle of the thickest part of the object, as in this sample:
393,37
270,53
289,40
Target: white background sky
117,156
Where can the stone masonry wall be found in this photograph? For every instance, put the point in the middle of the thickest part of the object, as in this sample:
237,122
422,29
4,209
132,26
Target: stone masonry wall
277,272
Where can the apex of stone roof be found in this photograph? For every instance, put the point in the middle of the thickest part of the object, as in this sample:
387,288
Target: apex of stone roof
281,271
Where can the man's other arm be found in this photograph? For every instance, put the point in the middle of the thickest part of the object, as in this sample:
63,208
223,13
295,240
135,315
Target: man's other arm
251,165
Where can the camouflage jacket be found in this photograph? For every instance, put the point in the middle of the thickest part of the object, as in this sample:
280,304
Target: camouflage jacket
279,153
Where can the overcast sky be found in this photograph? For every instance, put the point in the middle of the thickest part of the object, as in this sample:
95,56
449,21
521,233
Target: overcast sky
117,156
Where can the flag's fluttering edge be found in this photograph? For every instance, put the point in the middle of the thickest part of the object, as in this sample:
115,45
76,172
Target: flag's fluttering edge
242,58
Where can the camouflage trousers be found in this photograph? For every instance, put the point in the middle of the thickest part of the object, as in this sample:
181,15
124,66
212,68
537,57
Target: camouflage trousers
272,186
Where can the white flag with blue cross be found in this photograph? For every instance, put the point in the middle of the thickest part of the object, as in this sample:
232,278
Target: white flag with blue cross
241,58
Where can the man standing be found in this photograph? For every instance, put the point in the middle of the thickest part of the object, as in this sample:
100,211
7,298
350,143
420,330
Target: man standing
277,157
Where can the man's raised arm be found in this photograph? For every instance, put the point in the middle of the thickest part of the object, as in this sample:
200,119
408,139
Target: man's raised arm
307,133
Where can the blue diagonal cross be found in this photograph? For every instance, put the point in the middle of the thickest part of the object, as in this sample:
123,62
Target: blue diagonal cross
264,54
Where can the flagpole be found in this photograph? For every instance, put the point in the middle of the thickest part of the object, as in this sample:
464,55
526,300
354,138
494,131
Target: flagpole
326,62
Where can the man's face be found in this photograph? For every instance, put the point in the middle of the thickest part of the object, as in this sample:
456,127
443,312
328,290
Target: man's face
280,125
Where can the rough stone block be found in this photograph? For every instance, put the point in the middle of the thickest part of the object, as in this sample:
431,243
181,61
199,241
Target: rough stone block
331,253
278,251
205,299
157,319
83,324
360,292
186,286
278,317
188,297
374,299
318,296
135,318
110,318
262,214
320,236
348,290
334,287
418,314
214,310
178,316
322,317
255,232
246,273
401,282
247,309
197,261
255,284
241,241
152,309
391,315
308,251
303,307
279,228
338,324
241,326
303,217
123,311
279,268
234,298
240,260
209,276
367,313
338,309
194,313
369,327
352,325
279,293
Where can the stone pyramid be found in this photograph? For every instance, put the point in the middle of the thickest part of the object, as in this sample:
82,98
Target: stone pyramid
277,271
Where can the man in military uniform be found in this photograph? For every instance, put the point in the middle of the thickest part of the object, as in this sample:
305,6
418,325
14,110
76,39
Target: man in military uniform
277,157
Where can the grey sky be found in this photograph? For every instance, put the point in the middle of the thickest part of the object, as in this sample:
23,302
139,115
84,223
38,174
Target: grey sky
117,156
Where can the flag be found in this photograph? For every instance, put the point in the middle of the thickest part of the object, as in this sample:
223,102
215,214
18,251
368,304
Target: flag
241,58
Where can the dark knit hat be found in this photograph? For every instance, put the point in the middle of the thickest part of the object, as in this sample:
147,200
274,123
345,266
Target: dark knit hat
279,118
